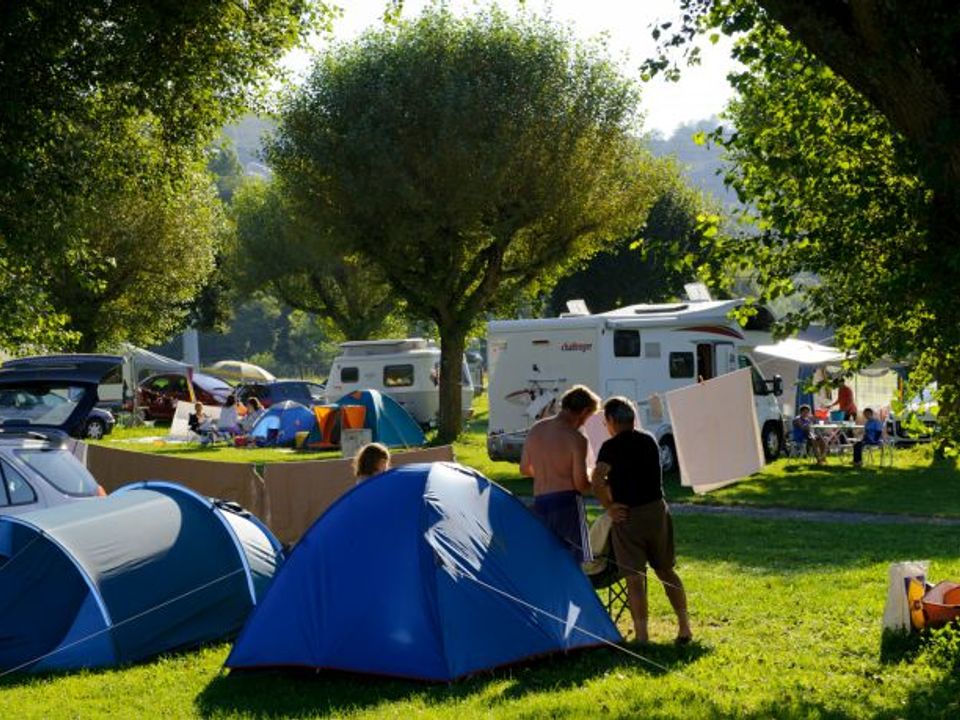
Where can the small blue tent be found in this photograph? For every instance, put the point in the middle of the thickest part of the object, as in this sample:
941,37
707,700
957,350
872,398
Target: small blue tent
151,568
388,422
287,418
427,571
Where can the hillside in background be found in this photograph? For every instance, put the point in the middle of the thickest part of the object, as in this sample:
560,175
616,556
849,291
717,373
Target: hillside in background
702,165
247,137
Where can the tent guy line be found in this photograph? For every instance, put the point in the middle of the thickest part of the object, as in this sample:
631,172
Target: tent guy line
143,613
563,621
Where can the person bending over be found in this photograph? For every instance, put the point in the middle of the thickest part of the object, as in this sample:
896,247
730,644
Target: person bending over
628,482
555,456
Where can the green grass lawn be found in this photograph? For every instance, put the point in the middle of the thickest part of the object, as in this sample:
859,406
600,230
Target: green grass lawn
787,616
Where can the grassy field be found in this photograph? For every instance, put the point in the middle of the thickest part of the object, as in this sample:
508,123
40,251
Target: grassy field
787,616
786,613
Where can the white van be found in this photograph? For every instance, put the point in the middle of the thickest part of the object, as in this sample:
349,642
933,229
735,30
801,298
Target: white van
640,351
408,370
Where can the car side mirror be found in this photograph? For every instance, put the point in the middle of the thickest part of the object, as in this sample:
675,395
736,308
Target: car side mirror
777,385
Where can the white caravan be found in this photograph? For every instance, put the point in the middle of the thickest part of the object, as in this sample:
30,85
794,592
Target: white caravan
640,351
407,370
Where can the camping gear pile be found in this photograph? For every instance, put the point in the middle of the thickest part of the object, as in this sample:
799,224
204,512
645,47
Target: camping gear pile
915,604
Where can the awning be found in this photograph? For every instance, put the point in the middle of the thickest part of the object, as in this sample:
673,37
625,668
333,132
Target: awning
801,351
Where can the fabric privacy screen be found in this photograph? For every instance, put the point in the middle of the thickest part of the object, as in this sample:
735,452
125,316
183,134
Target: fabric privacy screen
715,430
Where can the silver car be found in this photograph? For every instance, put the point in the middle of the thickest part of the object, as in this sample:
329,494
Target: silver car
39,406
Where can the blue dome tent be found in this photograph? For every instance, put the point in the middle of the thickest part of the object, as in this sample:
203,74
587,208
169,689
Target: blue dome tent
447,574
151,568
388,422
287,418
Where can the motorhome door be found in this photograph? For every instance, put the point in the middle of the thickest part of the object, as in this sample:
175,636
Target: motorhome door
725,356
624,365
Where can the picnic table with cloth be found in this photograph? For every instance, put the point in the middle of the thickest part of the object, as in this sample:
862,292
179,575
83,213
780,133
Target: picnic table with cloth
838,436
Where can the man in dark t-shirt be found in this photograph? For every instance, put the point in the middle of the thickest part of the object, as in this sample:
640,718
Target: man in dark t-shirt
627,480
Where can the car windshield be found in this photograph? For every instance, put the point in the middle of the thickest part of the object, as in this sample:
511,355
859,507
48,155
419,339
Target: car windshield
61,469
38,405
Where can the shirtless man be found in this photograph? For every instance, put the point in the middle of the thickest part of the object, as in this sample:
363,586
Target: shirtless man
555,456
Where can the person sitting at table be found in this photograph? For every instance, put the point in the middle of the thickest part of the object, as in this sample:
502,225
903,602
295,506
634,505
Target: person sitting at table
844,401
804,436
229,422
202,424
254,411
872,435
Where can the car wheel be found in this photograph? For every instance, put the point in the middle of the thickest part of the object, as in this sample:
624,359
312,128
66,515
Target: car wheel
668,455
772,441
95,429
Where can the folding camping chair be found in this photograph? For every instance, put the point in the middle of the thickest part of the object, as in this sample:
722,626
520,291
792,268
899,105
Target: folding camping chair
604,573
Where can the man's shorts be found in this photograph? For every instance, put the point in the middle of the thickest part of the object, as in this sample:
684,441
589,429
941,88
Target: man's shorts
563,513
646,536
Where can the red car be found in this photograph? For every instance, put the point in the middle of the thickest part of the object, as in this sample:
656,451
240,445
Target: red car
158,395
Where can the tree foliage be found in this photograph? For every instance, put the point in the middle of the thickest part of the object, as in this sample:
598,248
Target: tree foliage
71,72
468,159
652,263
307,269
877,136
135,249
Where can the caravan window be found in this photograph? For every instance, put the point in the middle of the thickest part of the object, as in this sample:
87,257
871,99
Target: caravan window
626,343
349,374
681,364
397,375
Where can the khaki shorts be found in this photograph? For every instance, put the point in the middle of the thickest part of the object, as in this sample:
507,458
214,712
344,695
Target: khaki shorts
645,537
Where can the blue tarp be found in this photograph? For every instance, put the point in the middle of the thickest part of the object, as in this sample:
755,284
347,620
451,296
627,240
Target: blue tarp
287,418
388,422
152,568
426,571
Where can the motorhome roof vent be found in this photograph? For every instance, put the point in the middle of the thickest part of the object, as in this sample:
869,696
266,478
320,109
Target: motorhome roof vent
576,308
659,309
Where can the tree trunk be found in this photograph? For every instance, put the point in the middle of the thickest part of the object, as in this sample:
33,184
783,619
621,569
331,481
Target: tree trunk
453,341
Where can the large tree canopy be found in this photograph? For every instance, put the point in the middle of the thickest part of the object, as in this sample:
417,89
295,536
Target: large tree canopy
70,72
895,122
468,159
307,269
650,264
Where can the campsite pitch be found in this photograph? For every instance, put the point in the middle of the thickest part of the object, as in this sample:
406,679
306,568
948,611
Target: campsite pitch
787,616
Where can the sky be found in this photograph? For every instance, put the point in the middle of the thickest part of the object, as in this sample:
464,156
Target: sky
701,92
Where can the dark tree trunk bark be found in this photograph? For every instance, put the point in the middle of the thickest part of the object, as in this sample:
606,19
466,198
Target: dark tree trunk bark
453,341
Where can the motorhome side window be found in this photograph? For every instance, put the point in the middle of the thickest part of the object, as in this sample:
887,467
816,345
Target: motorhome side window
626,343
349,374
397,375
681,364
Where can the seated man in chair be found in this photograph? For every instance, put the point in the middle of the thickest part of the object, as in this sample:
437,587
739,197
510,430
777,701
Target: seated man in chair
804,436
872,435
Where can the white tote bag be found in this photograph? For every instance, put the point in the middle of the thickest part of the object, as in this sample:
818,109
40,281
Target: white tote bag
896,614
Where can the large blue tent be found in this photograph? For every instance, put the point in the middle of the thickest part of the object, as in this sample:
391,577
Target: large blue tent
426,571
151,568
388,422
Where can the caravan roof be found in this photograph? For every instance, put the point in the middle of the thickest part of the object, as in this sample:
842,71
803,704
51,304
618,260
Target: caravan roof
361,348
631,316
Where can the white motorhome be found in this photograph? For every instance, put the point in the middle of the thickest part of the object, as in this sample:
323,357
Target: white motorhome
408,370
640,351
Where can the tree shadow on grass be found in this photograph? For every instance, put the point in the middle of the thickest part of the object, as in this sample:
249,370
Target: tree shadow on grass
292,694
940,650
